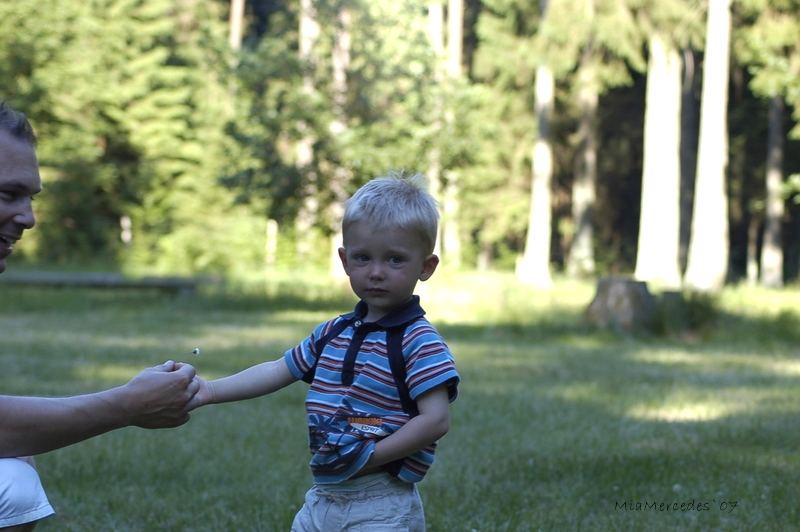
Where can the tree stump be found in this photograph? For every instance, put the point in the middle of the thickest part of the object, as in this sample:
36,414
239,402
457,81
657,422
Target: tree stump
622,304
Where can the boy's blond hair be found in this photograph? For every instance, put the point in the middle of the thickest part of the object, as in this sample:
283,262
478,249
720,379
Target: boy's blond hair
395,200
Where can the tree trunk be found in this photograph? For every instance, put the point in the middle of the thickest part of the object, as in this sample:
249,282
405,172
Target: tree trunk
271,244
340,61
708,250
622,304
752,247
436,28
455,37
772,248
451,204
690,113
436,37
451,233
534,267
581,254
235,24
308,214
657,257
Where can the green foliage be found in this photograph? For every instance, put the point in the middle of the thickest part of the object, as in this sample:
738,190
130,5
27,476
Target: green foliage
143,111
792,188
768,45
130,126
269,105
682,20
606,29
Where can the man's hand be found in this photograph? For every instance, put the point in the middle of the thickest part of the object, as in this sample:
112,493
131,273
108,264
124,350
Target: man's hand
158,397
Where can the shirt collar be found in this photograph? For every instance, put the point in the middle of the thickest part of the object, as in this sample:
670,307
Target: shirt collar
402,314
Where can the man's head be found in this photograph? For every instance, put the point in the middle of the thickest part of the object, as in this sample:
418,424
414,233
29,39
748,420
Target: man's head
19,178
389,231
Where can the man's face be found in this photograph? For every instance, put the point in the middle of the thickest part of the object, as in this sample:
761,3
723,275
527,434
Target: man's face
19,181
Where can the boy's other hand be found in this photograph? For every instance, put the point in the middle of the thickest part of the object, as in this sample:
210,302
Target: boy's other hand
204,395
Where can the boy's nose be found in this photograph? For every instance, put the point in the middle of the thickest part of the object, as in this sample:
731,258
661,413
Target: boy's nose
376,271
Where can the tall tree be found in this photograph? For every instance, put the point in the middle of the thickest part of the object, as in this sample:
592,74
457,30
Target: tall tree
308,213
768,45
657,257
436,34
772,247
236,24
451,233
497,199
670,26
534,266
340,62
708,250
580,260
591,45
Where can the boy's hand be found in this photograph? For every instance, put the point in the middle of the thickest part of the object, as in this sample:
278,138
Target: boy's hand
204,395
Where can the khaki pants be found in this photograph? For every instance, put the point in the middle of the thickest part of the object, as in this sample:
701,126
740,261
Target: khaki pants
372,502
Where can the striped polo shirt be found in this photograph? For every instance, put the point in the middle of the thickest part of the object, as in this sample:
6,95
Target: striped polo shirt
346,421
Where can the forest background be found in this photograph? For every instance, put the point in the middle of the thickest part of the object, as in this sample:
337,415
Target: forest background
650,137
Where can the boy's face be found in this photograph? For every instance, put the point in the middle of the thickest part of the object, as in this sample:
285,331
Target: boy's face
19,181
384,266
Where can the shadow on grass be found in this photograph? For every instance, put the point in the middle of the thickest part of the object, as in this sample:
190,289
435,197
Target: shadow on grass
564,448
579,421
44,299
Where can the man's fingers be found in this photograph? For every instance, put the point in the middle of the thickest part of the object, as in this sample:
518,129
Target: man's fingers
192,404
169,365
166,421
186,370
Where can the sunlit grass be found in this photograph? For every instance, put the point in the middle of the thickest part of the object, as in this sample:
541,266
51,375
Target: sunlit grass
555,422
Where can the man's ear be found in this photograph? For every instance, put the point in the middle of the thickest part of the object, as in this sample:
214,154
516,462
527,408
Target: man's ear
343,258
428,267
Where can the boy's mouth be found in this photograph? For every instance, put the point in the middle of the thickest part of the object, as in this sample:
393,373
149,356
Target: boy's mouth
376,291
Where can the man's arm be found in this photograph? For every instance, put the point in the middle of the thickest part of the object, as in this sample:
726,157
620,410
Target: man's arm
432,422
155,398
255,381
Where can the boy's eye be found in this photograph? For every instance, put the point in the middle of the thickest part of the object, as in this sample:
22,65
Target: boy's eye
360,257
396,260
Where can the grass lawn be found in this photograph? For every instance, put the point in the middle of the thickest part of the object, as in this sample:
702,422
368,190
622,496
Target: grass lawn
557,426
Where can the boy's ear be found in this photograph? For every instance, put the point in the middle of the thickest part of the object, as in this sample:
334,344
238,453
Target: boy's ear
343,258
428,267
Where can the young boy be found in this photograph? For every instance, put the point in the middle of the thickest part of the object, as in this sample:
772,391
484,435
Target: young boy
372,432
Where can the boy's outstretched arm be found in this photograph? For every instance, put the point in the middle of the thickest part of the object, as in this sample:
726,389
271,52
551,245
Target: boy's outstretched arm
432,422
255,381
